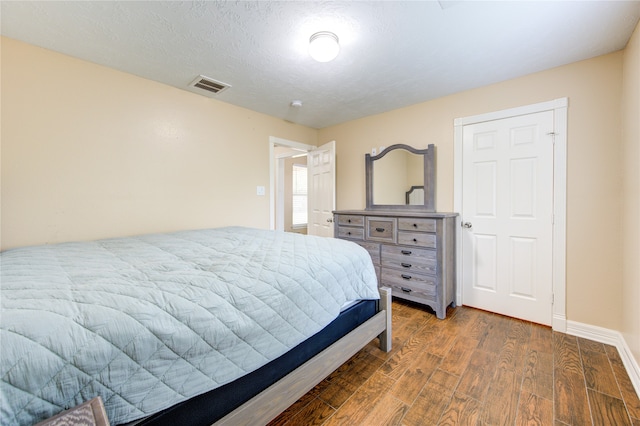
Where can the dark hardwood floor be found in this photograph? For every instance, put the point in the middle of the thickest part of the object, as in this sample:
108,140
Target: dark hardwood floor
473,368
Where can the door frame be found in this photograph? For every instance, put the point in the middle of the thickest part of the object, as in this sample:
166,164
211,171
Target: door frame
559,244
273,142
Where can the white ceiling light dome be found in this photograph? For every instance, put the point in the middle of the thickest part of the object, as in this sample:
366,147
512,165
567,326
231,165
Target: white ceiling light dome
324,46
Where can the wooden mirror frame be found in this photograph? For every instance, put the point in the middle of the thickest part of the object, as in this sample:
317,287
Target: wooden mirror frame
429,179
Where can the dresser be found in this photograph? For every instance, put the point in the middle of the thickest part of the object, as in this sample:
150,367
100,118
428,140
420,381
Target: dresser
413,252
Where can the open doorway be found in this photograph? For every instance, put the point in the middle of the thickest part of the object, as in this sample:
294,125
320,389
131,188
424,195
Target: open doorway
321,185
291,190
288,182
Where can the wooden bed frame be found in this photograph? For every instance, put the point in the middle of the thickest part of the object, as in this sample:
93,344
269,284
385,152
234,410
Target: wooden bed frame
268,404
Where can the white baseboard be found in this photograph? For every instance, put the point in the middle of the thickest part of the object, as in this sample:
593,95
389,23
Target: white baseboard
609,337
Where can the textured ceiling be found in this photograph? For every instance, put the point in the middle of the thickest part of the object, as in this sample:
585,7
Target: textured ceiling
393,53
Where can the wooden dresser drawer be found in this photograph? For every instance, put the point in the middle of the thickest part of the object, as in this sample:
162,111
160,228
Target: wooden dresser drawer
409,284
413,252
417,239
350,220
350,232
410,259
416,224
381,229
374,251
400,252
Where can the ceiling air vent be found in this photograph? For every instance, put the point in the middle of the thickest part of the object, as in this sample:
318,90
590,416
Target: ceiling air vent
209,84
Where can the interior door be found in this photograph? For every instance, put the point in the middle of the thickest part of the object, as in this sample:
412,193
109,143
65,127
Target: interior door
507,216
321,169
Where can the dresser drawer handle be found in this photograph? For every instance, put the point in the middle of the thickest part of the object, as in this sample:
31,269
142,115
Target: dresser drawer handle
415,240
349,233
406,252
406,265
406,277
380,229
406,290
349,220
415,225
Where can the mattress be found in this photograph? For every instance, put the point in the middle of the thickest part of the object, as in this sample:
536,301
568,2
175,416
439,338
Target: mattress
205,409
147,322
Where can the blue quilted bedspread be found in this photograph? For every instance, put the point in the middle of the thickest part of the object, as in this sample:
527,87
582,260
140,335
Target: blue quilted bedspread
146,322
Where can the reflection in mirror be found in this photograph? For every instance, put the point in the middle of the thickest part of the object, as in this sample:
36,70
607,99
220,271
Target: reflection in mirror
401,178
415,196
395,174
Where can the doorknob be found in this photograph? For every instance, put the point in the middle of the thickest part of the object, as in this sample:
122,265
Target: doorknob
466,225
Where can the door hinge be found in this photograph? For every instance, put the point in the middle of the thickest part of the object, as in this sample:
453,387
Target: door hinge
553,298
553,137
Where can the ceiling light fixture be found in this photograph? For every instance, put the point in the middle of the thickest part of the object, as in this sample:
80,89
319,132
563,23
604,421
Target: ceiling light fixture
324,46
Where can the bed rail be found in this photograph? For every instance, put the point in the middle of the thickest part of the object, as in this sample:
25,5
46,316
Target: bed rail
268,404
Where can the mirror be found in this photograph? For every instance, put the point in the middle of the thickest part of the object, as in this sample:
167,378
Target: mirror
401,177
395,174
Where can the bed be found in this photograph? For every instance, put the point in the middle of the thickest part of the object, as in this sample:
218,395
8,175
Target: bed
164,327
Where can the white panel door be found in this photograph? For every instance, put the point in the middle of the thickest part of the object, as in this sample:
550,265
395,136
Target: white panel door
321,169
507,216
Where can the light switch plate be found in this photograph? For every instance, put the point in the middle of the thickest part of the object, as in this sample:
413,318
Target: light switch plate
260,190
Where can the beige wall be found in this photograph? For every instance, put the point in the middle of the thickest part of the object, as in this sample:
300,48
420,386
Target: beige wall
89,152
594,174
631,195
